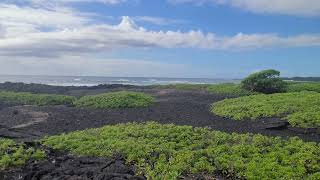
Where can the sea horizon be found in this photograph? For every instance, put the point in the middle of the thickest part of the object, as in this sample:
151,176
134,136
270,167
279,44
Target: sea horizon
97,80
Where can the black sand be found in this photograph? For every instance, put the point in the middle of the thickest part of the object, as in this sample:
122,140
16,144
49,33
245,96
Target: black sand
172,106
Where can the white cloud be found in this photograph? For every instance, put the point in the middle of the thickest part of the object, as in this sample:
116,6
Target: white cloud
158,20
33,38
74,1
38,32
2,31
285,7
253,41
88,65
28,19
55,2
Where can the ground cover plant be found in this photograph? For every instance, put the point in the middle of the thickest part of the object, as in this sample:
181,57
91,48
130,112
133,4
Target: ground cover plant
183,86
231,89
303,86
228,89
171,151
26,98
300,109
121,99
17,154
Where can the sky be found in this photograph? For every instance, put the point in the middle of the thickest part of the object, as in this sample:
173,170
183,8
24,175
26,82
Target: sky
159,38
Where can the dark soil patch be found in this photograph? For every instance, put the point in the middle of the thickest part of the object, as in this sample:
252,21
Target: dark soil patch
59,166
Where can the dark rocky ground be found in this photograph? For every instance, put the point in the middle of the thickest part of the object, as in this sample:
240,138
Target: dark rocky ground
27,123
62,166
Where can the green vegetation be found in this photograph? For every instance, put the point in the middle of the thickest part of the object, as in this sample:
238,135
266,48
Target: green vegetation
266,82
13,154
303,86
122,99
301,109
26,98
183,86
268,85
238,90
169,151
228,89
231,89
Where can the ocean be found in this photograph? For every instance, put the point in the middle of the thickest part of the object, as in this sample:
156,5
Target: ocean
93,80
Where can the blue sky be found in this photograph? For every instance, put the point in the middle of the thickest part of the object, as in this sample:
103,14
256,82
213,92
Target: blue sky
168,38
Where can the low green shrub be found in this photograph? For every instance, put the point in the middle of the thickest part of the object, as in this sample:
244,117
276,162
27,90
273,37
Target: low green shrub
303,86
17,154
171,151
301,109
231,89
228,89
26,98
183,86
122,99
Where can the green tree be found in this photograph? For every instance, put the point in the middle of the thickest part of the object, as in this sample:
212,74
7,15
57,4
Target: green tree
266,81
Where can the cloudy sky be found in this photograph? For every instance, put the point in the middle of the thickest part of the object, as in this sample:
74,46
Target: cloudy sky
159,38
